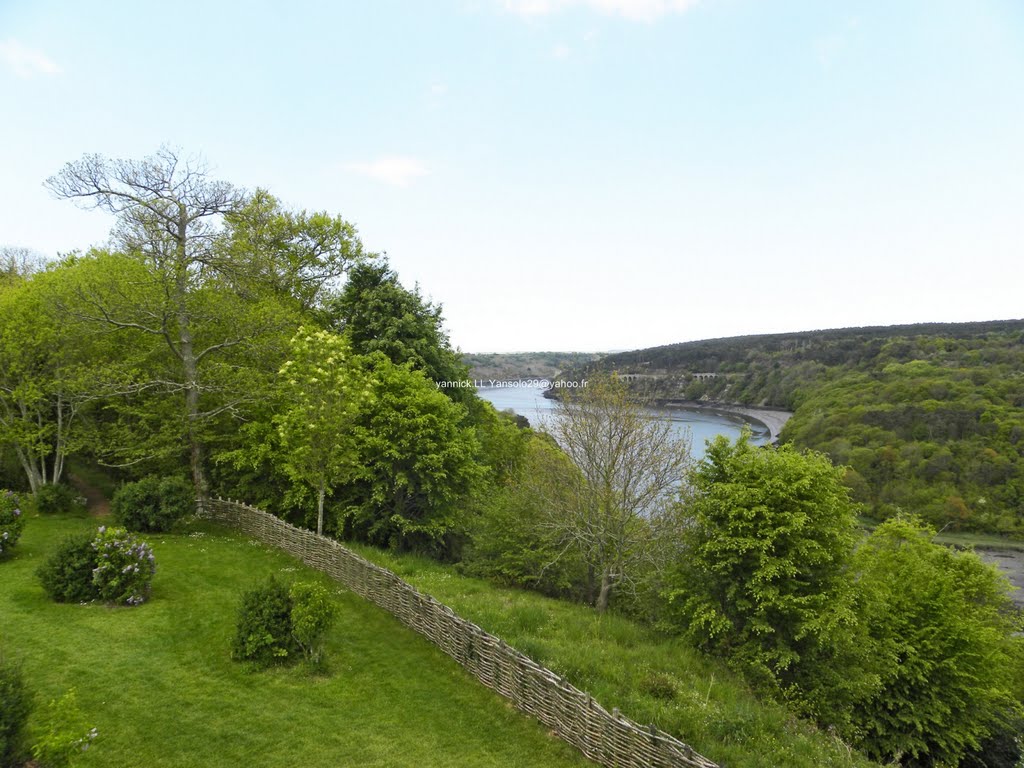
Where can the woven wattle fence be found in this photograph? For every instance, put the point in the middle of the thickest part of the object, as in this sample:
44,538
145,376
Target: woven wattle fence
606,737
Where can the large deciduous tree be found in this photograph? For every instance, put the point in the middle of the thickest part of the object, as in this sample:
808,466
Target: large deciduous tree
219,272
44,378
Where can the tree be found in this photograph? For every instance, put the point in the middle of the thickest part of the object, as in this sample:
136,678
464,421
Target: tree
379,315
320,403
416,461
209,290
168,211
946,647
761,576
44,377
631,471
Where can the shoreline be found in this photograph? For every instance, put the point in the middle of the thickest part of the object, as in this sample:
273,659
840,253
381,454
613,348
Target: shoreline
772,419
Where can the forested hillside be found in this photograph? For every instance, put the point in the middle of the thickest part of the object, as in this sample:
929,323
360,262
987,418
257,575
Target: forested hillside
928,418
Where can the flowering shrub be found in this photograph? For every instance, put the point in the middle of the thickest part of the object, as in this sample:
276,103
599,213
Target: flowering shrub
124,567
113,566
11,520
67,573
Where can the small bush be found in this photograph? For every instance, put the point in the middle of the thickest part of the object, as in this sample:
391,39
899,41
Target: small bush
153,504
67,573
113,566
15,706
11,520
264,628
53,499
65,734
659,685
124,567
313,613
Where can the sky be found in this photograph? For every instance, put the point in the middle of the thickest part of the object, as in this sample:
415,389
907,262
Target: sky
579,175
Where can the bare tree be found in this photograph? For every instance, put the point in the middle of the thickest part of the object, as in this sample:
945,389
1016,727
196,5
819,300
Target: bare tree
17,263
168,213
632,468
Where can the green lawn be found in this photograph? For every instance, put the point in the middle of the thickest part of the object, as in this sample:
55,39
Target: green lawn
624,664
158,681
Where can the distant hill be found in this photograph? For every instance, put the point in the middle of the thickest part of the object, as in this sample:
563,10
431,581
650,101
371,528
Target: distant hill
524,365
929,417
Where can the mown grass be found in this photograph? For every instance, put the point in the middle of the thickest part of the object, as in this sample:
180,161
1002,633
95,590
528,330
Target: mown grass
649,676
158,682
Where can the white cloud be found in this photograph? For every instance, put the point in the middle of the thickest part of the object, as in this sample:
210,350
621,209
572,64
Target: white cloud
636,10
25,61
560,51
396,170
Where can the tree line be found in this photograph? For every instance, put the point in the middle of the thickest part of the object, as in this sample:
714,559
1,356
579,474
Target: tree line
928,418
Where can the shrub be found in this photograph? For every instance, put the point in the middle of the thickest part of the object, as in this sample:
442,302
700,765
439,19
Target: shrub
53,498
264,628
67,573
65,734
113,566
11,520
124,567
153,504
313,613
945,646
15,705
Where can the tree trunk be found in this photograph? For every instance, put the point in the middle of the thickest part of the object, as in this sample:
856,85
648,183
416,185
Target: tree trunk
191,369
320,510
606,591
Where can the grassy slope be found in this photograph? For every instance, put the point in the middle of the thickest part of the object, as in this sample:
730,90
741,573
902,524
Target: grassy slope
158,682
612,657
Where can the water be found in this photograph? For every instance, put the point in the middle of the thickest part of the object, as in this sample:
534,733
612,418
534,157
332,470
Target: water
703,425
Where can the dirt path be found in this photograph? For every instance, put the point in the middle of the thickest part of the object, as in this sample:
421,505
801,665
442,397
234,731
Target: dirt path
96,501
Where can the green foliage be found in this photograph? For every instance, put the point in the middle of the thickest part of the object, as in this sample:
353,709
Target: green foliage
15,707
944,648
762,578
378,314
509,541
124,567
263,629
929,416
56,498
322,391
111,565
12,520
67,573
153,504
64,734
415,462
312,615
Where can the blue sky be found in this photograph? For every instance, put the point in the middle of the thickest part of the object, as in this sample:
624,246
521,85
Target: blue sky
570,174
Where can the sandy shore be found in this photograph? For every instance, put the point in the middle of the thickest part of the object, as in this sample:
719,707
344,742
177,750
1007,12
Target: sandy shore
772,419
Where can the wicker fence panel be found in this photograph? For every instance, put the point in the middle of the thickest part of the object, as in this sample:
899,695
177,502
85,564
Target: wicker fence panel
606,737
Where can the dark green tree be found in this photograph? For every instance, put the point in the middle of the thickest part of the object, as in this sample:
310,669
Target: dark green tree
945,647
378,314
761,576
